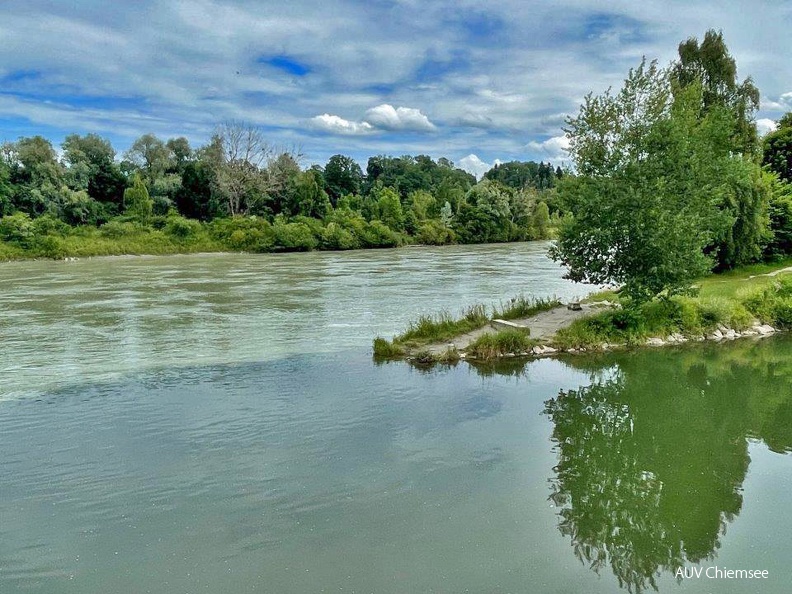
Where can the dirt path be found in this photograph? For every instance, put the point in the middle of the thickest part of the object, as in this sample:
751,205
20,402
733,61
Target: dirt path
774,273
543,326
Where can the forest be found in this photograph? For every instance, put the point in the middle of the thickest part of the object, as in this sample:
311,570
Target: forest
240,193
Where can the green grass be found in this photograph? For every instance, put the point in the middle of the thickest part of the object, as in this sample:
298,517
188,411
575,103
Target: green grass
384,349
492,346
523,307
768,301
442,327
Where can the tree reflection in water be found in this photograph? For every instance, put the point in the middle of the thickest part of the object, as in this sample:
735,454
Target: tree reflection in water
652,459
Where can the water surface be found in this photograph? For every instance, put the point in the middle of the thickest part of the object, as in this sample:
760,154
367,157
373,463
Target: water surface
288,462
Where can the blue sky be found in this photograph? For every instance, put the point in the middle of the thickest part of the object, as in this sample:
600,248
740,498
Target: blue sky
475,82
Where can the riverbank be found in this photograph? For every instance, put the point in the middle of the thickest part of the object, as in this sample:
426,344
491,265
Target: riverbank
45,237
753,301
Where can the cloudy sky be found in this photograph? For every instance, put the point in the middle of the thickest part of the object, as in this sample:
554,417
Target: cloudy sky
472,81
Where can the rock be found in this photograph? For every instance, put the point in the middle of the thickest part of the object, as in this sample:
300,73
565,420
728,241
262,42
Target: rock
498,324
764,329
462,355
654,341
550,350
731,334
536,350
750,332
717,335
574,306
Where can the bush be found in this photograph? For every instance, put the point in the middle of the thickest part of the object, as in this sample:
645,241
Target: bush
17,228
50,246
251,234
491,346
180,228
378,235
434,233
294,236
119,229
335,237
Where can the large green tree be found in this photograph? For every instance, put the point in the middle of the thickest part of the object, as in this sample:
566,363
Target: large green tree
642,219
710,64
777,149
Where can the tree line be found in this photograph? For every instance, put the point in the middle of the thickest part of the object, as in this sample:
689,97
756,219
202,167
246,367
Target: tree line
251,195
672,180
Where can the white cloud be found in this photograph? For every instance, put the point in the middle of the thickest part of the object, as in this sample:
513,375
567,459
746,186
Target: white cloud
556,147
472,164
387,117
337,125
379,118
765,126
784,103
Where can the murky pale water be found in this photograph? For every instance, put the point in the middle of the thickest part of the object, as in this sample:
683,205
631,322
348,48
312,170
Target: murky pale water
216,424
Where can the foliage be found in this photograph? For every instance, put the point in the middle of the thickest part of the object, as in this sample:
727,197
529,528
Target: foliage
710,65
491,346
384,349
661,196
137,202
777,151
443,327
524,307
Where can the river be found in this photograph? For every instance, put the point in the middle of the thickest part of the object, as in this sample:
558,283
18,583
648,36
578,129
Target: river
216,424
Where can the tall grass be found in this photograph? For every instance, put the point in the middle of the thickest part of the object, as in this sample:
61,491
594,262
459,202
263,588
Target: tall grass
523,307
492,346
443,327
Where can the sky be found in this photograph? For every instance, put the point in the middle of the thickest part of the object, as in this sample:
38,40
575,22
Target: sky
476,82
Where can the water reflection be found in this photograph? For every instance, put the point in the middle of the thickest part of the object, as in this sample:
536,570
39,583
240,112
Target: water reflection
652,459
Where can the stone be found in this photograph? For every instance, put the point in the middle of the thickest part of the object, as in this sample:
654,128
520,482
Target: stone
764,329
499,324
654,341
574,306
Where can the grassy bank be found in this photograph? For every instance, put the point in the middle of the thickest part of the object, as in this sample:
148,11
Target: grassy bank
735,300
441,328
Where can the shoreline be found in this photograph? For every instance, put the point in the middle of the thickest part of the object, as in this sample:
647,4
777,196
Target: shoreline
226,252
726,307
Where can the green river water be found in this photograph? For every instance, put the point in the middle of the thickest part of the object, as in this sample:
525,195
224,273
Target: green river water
216,424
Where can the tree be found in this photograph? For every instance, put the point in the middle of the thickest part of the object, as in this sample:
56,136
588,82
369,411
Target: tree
710,64
390,209
307,197
777,149
240,165
92,167
150,155
342,175
137,201
631,226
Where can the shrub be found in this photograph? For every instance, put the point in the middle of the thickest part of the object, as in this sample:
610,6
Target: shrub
294,236
50,246
335,237
17,228
180,228
491,346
